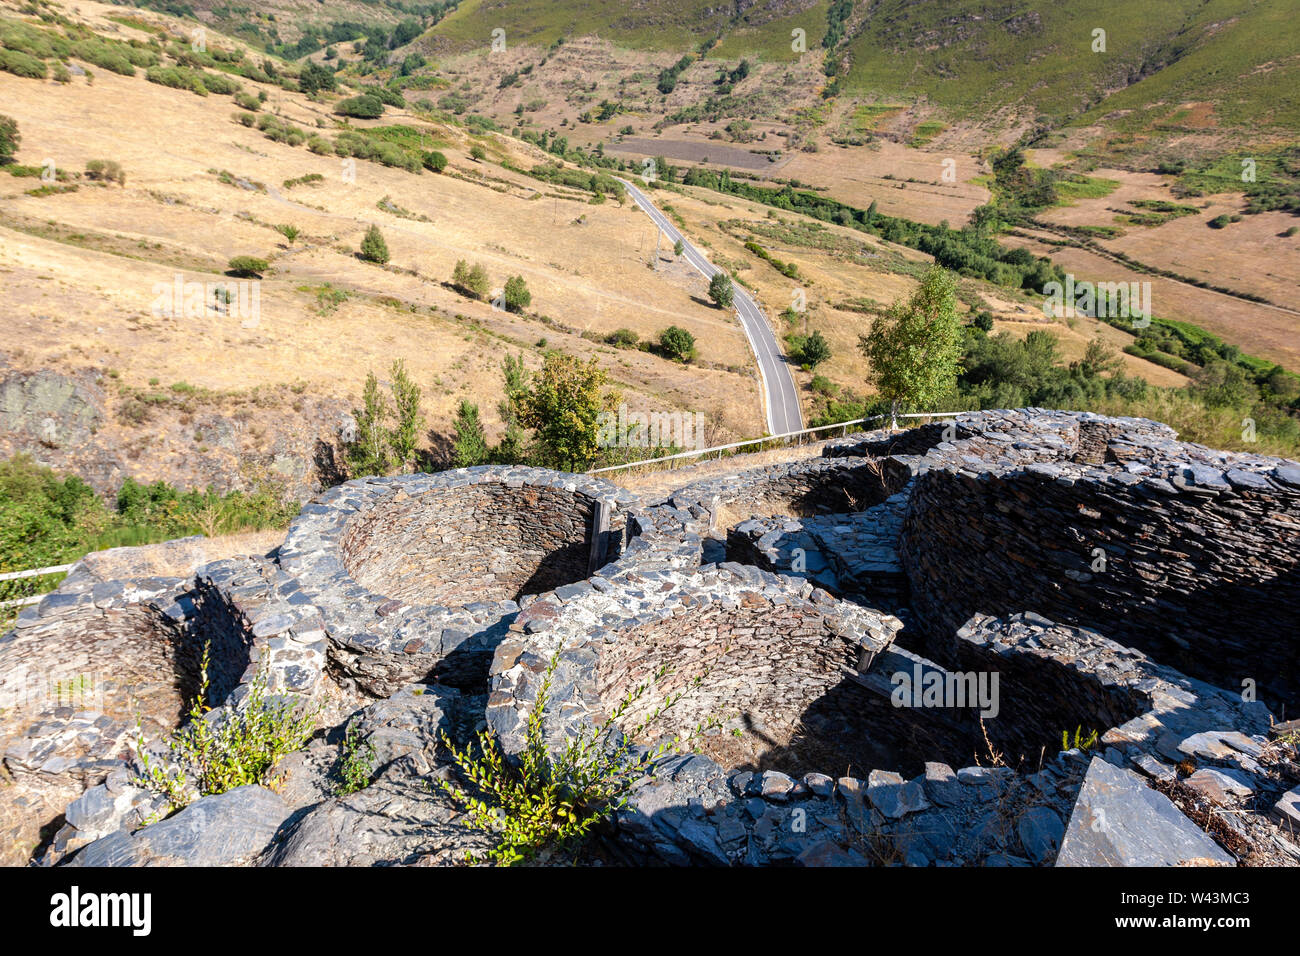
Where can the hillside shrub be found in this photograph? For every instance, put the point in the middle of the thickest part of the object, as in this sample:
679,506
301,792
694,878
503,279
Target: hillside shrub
373,246
364,106
247,267
21,64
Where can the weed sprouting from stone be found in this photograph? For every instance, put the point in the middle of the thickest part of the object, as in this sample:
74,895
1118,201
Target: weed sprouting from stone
1081,741
216,752
549,803
357,765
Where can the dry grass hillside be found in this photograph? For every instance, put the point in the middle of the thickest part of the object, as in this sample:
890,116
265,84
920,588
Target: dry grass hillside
80,269
206,399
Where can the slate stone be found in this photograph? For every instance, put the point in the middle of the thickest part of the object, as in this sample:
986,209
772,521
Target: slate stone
896,800
1119,821
1287,809
775,785
942,785
1041,831
218,830
1219,786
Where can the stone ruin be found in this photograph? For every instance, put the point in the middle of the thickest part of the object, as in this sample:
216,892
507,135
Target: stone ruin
886,643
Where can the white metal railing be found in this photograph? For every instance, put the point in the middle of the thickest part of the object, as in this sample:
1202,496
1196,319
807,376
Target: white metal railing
34,572
720,449
31,573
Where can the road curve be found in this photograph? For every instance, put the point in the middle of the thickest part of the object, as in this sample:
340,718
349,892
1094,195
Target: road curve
780,398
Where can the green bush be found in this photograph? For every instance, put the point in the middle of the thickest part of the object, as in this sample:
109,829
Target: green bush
549,803
10,138
21,64
385,95
220,84
177,78
109,56
823,386
240,746
107,170
280,130
677,343
248,267
363,146
623,338
360,107
373,246
33,41
357,763
516,294
435,161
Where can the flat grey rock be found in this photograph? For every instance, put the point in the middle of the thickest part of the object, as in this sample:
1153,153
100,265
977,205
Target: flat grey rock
1287,808
219,830
1119,821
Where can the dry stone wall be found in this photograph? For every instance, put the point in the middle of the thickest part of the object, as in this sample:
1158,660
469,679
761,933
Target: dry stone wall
426,539
1188,554
959,551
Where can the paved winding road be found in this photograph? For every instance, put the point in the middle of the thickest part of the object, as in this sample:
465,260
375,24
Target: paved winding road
780,399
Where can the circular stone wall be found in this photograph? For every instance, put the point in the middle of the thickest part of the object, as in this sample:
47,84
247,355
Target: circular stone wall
754,652
799,489
1190,555
482,542
417,577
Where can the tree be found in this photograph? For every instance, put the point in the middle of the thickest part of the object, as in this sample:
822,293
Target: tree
517,295
562,406
9,138
915,348
1098,358
289,232
471,280
721,290
364,106
512,447
405,433
983,321
373,246
368,453
871,213
470,447
677,343
435,161
477,153
249,267
314,77
815,350
679,247
1222,384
